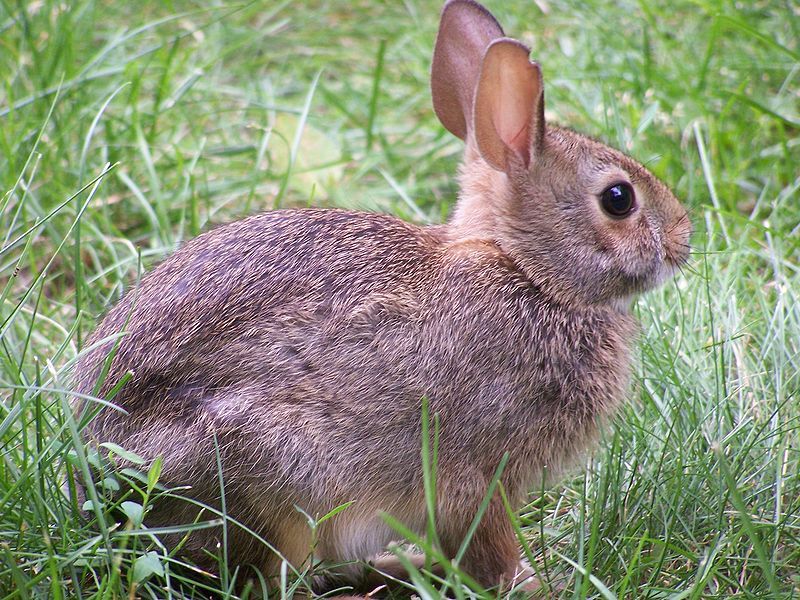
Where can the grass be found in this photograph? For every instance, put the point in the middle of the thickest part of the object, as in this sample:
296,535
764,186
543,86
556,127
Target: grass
126,128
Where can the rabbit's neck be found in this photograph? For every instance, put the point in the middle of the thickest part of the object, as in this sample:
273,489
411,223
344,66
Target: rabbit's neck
476,214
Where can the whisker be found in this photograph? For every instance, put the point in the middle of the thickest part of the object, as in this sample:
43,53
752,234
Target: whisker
684,218
691,269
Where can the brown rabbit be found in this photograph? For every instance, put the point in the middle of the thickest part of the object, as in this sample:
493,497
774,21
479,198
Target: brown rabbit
304,341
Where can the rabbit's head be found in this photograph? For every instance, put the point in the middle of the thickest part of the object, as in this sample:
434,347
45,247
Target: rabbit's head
582,220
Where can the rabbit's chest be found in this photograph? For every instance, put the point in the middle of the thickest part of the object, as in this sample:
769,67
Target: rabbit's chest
538,393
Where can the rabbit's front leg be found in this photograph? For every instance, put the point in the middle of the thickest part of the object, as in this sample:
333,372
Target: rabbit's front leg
387,569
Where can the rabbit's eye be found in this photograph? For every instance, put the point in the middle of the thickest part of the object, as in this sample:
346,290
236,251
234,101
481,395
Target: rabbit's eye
618,200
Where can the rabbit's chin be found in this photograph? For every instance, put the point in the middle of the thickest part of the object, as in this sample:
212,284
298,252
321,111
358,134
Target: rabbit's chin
667,269
635,286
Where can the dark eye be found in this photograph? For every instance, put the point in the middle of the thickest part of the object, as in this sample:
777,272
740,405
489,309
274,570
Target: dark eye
618,200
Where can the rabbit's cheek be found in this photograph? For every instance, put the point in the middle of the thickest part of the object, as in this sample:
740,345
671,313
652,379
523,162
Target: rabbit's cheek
677,241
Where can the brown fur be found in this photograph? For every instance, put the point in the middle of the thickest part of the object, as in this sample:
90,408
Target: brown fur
305,340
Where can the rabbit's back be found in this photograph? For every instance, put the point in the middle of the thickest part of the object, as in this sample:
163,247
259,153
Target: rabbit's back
277,271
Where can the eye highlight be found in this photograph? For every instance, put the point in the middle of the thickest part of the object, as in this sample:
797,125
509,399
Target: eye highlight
618,201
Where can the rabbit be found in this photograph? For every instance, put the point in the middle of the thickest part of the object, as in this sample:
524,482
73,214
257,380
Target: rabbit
299,345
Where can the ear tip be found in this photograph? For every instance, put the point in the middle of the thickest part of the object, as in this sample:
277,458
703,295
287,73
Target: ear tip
512,51
470,6
509,45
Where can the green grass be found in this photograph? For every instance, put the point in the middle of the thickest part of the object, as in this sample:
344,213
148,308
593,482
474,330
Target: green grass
126,128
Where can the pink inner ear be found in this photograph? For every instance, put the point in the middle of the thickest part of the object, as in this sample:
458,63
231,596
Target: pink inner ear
521,137
514,111
519,143
508,104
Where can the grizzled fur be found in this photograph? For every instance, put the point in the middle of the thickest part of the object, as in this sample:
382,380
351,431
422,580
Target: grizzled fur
305,340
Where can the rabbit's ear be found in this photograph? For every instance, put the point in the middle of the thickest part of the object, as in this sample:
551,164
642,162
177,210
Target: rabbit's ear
465,30
509,105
